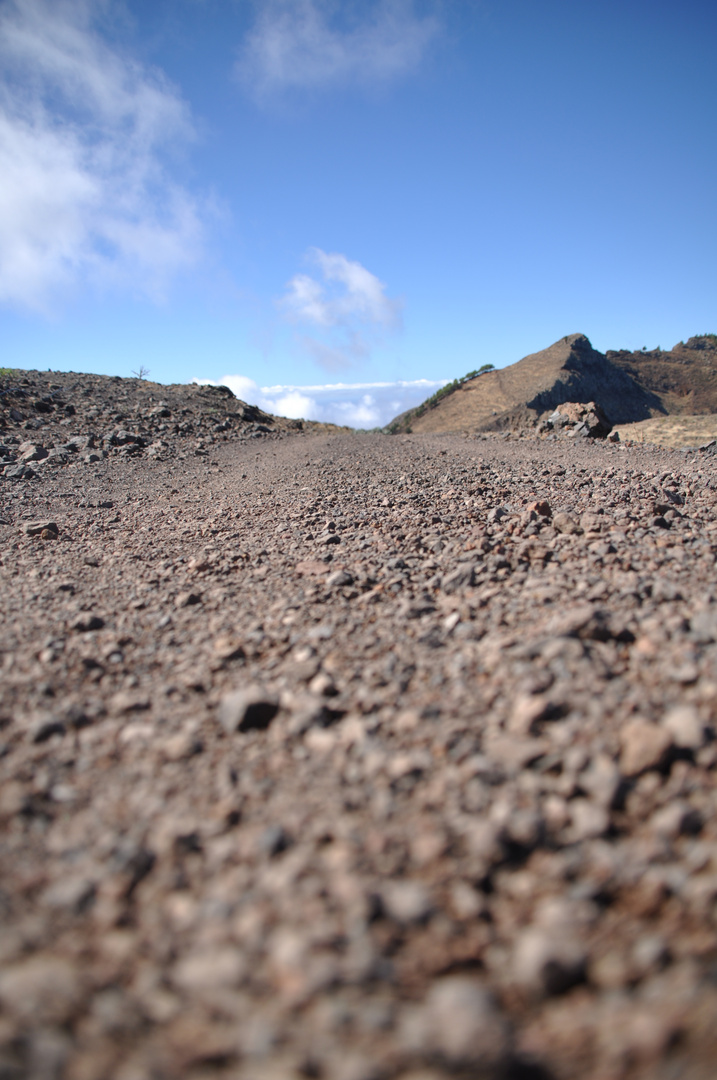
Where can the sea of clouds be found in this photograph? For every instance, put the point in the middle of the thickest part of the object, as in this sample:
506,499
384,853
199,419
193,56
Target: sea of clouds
358,405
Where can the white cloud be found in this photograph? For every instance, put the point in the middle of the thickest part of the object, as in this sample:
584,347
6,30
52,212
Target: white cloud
84,192
310,43
363,405
361,295
349,308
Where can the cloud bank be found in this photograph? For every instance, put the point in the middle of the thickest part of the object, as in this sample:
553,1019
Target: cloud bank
304,44
362,405
348,310
84,192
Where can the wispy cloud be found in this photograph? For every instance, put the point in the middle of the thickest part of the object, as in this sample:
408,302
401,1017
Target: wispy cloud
84,130
349,308
304,44
363,405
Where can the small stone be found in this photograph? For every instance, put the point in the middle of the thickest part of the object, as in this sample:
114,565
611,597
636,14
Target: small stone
588,820
87,622
124,701
228,648
463,1025
541,507
43,989
214,968
251,709
187,599
644,746
274,840
73,894
527,710
406,901
322,685
564,523
459,579
37,528
183,746
548,962
31,452
676,819
684,725
45,730
338,579
19,472
704,627
601,780
592,523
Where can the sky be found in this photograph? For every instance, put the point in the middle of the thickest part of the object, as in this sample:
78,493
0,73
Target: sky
335,207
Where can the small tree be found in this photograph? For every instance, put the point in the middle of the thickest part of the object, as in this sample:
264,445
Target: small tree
142,373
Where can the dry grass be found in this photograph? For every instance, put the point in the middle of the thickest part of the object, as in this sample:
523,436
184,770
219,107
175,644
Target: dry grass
671,431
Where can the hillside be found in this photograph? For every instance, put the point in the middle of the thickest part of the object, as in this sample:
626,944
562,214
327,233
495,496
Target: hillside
684,378
630,386
569,370
55,418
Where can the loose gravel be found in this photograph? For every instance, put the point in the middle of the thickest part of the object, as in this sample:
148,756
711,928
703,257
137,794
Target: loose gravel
360,757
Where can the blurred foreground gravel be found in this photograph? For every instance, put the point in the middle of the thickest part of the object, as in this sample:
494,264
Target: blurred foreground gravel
358,758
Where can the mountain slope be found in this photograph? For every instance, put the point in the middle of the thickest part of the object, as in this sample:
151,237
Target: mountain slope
569,370
685,378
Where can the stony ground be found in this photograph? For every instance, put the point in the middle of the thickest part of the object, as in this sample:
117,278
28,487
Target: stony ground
358,758
672,431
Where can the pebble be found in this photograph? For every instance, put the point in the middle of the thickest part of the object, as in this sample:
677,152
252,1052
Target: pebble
463,1024
406,901
37,528
644,746
564,523
187,599
548,961
684,726
87,622
250,709
41,989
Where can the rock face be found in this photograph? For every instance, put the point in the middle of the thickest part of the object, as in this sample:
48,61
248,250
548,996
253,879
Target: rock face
436,800
568,371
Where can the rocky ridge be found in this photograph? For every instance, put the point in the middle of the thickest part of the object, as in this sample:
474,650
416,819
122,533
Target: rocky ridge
53,418
629,387
362,758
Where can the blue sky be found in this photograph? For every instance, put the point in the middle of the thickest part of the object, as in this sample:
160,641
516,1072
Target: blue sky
335,206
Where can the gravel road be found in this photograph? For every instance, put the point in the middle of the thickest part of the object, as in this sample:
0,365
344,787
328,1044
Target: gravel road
360,757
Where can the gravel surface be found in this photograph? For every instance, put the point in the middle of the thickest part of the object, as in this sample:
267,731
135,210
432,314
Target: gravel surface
359,757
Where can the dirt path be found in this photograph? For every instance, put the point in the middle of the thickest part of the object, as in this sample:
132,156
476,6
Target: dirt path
360,758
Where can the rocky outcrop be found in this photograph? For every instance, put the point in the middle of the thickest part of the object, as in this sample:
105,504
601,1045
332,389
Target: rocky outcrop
577,420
